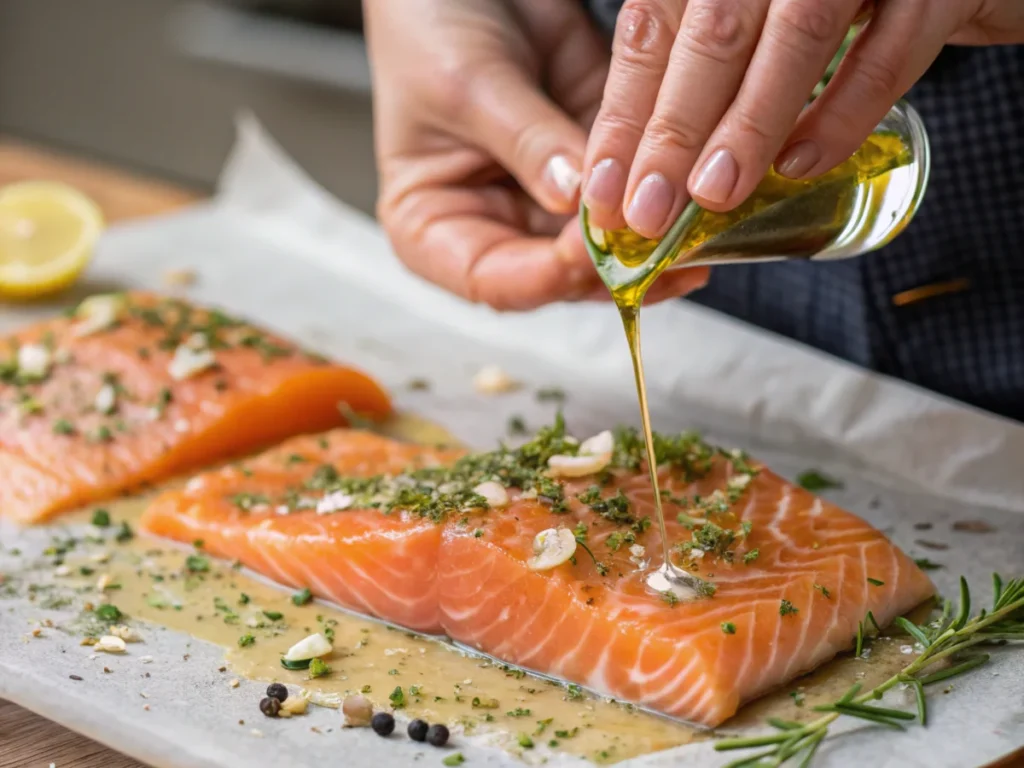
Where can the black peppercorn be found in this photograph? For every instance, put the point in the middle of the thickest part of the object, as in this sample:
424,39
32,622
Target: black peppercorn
418,730
437,735
383,724
270,707
277,691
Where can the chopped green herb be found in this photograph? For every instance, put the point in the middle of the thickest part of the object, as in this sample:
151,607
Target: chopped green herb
670,597
812,480
63,427
479,703
525,741
100,518
786,608
124,533
197,564
927,565
246,640
551,395
542,725
397,698
573,692
751,556
876,582
519,712
247,501
824,590
798,698
567,734
516,426
302,597
273,615
318,668
244,599
455,758
728,628
365,689
107,612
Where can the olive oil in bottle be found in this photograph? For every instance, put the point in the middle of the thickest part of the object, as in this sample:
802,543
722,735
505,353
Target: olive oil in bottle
856,207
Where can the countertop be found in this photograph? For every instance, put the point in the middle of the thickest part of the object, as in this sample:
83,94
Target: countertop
27,740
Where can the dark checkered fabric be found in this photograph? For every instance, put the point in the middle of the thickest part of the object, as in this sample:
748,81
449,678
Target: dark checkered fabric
968,345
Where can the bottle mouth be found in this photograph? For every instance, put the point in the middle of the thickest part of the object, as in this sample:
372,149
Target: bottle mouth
878,215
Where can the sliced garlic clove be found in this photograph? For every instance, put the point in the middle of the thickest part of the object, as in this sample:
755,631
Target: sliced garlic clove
191,358
577,466
128,634
295,705
492,380
493,492
34,361
98,313
106,400
334,502
551,548
110,644
598,445
312,647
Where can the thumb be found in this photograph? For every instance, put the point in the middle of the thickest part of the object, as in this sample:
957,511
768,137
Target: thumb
536,142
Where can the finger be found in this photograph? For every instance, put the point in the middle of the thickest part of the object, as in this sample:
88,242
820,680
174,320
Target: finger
800,38
513,120
644,33
459,240
894,50
575,53
710,55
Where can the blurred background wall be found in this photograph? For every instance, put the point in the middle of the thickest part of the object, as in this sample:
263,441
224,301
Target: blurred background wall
154,85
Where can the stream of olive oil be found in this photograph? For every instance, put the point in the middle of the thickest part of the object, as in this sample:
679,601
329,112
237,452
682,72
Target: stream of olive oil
781,217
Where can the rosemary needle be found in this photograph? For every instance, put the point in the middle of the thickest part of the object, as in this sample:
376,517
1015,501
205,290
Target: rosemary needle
943,640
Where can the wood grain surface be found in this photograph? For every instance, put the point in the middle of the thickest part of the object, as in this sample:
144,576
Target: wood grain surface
27,740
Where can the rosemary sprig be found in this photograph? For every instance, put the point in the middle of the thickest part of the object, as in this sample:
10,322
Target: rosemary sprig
946,639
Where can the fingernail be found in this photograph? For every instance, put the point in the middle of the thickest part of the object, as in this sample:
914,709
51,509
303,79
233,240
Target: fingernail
562,176
796,161
605,187
716,179
651,205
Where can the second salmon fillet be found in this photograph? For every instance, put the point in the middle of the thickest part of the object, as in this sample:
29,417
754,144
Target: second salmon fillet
462,544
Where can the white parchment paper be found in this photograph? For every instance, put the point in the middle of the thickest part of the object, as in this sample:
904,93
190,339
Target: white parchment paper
276,248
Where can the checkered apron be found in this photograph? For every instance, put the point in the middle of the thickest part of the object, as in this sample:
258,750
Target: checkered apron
967,343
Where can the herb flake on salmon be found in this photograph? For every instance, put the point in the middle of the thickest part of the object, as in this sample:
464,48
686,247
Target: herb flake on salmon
132,388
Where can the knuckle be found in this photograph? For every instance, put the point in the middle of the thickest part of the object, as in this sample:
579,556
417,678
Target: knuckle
813,21
752,128
720,29
449,87
618,122
879,76
643,30
676,135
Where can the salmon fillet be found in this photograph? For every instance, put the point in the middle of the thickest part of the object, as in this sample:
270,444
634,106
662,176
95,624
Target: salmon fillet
134,388
784,577
263,513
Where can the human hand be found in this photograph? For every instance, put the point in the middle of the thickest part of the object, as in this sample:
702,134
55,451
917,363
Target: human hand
704,96
479,167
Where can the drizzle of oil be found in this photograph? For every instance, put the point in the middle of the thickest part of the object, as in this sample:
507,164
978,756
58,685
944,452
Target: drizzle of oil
793,217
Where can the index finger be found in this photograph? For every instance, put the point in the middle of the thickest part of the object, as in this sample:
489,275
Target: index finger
460,240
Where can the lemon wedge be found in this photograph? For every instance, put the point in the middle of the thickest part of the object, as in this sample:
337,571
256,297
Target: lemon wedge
47,235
